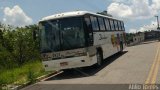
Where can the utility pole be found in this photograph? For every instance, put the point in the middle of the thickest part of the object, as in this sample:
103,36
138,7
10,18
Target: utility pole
158,28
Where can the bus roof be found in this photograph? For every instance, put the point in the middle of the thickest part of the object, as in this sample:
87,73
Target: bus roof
71,14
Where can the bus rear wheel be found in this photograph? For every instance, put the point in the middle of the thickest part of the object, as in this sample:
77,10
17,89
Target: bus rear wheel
99,58
121,46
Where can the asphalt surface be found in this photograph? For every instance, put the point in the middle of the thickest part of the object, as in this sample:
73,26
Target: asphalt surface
117,73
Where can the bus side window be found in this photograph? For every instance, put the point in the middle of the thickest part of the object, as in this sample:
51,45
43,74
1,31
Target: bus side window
94,23
88,23
119,25
107,24
112,25
89,31
116,25
101,23
122,25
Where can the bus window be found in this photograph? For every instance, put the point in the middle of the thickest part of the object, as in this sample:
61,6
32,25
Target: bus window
107,24
119,25
116,25
101,23
89,33
122,25
88,23
112,25
94,22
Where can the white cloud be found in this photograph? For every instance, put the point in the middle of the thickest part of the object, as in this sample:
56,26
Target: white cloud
118,0
151,26
156,4
134,9
123,1
16,16
120,10
132,30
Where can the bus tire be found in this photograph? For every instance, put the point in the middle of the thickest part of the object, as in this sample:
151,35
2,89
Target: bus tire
99,58
121,46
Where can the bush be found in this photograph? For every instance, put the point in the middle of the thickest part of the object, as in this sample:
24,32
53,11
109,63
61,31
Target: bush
28,72
19,54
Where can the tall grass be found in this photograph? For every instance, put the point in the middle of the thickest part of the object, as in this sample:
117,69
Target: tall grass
28,72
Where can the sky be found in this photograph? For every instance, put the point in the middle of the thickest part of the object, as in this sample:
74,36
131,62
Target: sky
138,15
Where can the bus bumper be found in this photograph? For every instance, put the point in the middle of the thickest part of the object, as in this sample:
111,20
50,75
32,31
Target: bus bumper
69,63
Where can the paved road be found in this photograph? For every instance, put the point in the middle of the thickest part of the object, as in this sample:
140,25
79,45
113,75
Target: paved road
136,65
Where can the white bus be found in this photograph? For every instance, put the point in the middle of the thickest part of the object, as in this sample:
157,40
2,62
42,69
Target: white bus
79,39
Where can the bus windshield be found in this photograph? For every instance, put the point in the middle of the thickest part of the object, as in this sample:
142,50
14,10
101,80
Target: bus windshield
62,34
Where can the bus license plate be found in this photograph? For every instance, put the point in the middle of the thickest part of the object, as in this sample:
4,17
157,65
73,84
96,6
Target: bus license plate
64,63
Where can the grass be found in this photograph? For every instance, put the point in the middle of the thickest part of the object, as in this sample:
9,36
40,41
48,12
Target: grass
28,72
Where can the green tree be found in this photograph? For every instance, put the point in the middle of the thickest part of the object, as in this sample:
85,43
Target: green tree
26,44
18,45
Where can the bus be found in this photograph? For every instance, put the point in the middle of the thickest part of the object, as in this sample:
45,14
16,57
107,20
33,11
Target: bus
79,39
